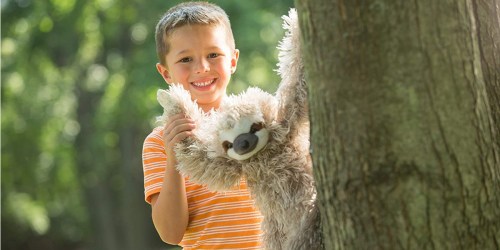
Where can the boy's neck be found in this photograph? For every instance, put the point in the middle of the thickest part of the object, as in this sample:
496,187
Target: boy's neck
207,108
213,105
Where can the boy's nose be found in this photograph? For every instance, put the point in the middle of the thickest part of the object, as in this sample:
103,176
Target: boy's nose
202,66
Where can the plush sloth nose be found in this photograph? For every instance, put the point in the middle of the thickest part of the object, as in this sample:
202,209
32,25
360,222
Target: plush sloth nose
245,143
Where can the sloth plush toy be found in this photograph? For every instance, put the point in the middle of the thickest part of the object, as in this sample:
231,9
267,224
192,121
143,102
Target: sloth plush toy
263,138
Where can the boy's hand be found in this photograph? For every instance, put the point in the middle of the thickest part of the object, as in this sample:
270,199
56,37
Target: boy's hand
178,128
169,206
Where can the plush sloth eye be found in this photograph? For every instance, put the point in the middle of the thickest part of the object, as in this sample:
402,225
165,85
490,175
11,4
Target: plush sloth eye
256,127
227,145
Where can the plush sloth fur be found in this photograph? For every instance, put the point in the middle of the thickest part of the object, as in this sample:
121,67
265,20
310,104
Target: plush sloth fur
273,155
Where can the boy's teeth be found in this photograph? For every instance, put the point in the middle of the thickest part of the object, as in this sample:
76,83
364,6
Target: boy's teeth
202,84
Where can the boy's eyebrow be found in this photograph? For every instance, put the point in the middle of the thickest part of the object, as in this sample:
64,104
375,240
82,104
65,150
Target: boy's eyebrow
214,47
185,51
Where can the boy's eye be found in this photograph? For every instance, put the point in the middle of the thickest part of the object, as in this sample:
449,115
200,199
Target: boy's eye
185,60
213,55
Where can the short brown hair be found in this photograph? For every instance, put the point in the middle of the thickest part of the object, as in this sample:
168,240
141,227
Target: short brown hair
189,13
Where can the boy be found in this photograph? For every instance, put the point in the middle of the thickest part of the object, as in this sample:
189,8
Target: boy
196,49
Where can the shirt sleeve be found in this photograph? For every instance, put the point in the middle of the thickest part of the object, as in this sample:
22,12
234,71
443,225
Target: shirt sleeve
154,161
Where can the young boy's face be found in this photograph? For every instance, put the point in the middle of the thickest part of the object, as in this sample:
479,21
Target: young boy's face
200,59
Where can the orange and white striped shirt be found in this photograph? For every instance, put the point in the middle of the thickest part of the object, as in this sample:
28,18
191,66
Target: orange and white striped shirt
227,220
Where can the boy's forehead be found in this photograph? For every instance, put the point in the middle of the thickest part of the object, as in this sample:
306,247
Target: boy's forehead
183,38
189,29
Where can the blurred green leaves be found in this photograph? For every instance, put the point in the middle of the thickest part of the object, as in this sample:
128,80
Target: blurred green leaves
28,212
78,98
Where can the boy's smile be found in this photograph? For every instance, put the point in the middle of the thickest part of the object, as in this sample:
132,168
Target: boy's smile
202,61
204,85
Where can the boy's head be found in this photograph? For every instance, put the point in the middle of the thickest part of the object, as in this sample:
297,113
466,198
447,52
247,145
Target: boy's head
196,49
190,13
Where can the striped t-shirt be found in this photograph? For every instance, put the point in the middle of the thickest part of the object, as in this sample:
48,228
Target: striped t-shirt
227,220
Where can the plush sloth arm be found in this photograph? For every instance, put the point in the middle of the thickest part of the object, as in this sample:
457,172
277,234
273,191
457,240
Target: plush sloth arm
193,159
292,90
177,100
195,162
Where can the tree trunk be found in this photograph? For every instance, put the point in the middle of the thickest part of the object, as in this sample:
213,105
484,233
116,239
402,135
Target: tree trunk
404,106
487,14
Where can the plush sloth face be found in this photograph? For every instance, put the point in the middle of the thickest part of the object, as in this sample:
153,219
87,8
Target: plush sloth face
245,137
242,126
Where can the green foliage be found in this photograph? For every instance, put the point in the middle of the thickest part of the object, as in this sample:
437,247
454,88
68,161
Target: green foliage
78,97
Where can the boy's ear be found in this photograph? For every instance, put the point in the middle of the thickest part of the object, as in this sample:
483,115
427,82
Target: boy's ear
164,73
234,60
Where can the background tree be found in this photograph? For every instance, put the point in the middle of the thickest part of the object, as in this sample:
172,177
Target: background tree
78,98
407,150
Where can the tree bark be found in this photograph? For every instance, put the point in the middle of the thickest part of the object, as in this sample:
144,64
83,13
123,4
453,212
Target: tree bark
404,108
487,15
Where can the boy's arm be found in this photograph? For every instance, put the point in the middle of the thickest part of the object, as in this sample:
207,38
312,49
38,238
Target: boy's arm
169,207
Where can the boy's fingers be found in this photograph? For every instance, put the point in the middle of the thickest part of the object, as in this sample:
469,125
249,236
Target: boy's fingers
175,117
178,126
169,127
170,138
177,130
181,136
178,138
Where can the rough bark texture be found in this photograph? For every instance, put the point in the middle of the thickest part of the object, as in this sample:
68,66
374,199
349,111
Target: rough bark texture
404,104
487,14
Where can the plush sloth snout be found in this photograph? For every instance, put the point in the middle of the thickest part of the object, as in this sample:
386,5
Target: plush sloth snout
245,143
245,138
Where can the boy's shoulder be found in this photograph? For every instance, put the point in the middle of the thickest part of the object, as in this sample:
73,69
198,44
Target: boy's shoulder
155,136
